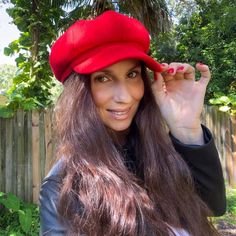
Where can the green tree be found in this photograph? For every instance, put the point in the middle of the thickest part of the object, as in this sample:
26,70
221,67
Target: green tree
165,46
40,23
153,13
209,36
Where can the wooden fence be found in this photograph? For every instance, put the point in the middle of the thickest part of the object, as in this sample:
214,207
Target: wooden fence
26,152
27,147
223,127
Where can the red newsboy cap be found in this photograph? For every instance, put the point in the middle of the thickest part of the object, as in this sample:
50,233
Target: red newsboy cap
90,45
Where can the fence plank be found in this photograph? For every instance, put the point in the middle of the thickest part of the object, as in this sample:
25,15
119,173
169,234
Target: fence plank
221,146
48,141
9,155
229,157
35,155
14,156
2,153
42,145
28,156
233,146
233,132
20,155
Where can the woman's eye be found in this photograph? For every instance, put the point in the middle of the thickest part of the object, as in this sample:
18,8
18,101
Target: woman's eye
101,79
133,74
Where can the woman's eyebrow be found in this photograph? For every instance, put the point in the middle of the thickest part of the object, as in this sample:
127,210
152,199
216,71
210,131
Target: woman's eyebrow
134,67
110,71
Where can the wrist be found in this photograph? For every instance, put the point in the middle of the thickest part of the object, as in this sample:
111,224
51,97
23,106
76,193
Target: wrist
188,136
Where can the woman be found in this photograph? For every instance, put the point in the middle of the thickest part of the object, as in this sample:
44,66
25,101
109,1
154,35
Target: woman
119,171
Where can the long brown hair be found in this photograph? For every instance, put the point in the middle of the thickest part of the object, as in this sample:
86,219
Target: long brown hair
100,195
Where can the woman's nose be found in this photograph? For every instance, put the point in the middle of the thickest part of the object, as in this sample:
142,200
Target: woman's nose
121,93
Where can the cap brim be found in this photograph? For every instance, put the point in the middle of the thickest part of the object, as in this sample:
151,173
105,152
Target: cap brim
108,55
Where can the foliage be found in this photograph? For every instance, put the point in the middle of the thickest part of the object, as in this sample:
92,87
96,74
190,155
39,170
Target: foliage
225,103
153,13
205,31
17,217
7,72
209,36
206,35
40,23
181,9
31,86
164,48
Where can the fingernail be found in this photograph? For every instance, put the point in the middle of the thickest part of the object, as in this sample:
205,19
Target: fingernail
180,68
170,70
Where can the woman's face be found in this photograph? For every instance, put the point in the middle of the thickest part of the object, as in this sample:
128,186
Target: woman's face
117,91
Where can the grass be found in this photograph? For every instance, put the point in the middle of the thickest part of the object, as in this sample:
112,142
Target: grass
229,218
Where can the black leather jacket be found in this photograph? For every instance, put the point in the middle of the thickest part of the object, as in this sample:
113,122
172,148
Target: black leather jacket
202,160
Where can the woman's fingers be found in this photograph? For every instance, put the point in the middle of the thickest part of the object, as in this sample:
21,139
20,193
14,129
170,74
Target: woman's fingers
186,71
178,71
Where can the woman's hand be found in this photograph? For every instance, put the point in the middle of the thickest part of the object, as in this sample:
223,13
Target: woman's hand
180,99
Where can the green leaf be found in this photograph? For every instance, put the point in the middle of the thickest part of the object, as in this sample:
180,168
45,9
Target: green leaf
19,78
17,97
8,51
34,234
224,108
25,218
11,202
15,234
224,100
220,100
215,101
14,45
38,64
29,104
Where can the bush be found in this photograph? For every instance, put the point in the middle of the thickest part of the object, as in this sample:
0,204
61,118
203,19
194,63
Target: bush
18,218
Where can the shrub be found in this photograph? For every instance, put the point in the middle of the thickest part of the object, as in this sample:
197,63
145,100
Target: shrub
18,218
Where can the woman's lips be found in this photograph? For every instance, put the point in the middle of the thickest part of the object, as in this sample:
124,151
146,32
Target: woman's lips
119,114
